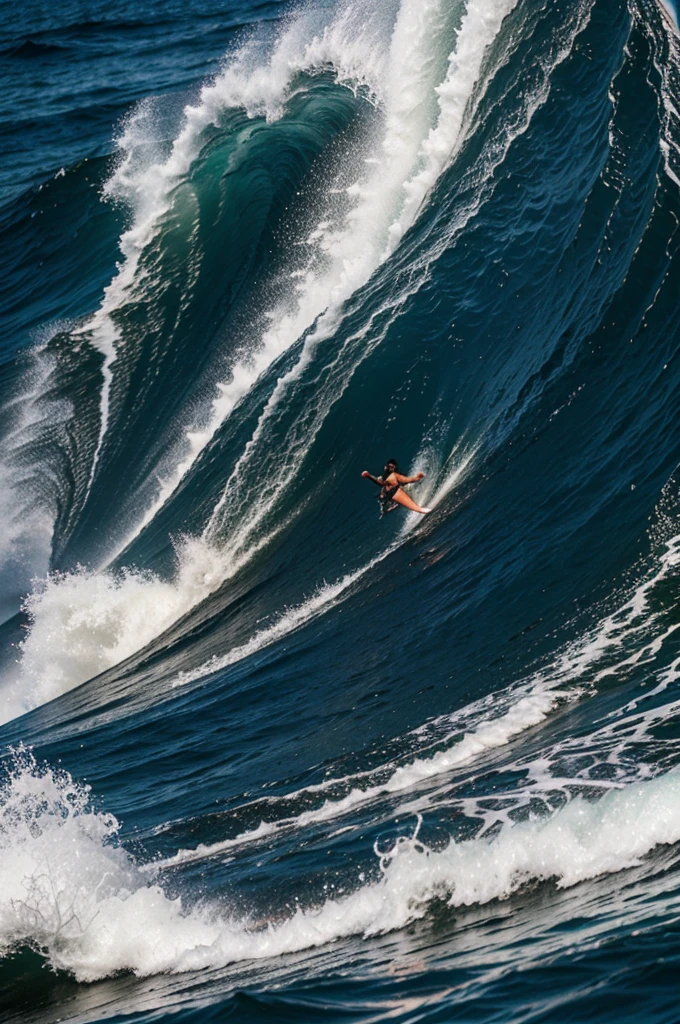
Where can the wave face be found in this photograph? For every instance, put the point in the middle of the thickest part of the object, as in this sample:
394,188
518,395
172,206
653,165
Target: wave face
262,752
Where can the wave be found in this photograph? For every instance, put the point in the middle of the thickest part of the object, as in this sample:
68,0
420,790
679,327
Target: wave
447,232
71,893
466,257
337,797
149,185
630,636
85,622
427,101
422,94
346,246
29,496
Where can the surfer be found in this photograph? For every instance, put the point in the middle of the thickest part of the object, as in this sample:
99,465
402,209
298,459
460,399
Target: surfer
391,489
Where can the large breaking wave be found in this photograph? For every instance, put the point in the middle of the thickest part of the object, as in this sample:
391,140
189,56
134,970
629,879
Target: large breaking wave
443,230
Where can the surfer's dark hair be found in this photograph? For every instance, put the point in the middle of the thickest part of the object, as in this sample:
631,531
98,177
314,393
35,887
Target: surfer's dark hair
394,463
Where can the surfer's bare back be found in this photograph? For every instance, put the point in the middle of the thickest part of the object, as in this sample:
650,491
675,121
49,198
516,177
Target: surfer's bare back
391,489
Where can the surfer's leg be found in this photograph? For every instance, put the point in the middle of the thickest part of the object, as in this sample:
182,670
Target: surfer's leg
407,501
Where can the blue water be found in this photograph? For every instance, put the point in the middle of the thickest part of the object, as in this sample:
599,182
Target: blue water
264,754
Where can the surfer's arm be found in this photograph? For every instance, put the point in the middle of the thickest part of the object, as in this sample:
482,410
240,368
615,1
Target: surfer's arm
375,479
409,479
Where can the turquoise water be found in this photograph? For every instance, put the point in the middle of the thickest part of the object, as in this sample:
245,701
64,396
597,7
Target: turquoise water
263,753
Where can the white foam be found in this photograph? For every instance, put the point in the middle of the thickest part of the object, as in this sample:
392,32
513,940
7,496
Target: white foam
480,26
66,890
207,850
581,841
489,734
83,623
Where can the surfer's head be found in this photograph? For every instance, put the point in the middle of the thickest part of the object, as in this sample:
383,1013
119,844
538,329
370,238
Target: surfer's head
391,466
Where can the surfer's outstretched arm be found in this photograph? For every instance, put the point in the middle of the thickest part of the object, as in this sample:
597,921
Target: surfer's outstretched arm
375,479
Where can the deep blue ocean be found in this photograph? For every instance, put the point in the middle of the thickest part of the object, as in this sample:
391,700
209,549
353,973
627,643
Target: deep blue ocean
265,755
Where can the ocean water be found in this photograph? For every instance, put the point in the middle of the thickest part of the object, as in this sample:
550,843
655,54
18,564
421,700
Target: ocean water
264,755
